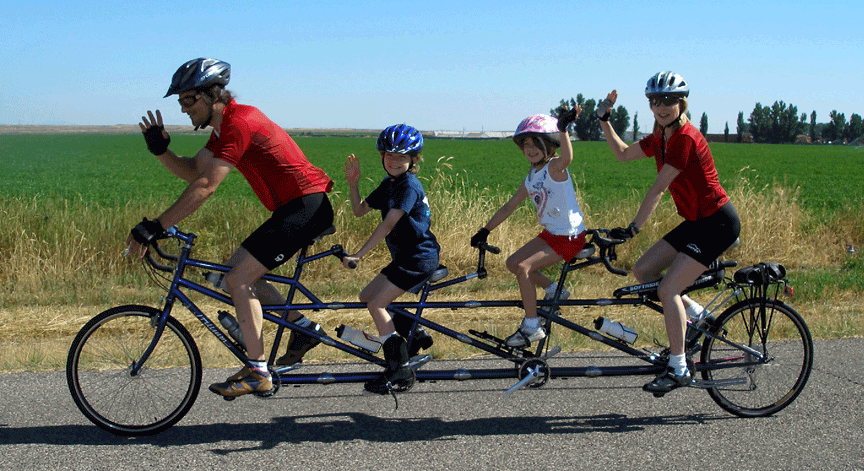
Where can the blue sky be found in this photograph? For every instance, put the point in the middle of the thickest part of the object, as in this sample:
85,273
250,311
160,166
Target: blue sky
443,65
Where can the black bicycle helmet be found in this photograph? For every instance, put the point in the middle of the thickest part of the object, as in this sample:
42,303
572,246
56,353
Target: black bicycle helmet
667,83
400,139
199,73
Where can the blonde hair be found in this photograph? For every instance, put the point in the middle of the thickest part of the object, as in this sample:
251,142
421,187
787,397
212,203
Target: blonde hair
682,117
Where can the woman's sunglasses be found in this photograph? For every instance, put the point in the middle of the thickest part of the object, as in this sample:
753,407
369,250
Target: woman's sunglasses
665,100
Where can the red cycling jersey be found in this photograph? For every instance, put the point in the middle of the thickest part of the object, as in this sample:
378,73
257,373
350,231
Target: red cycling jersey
696,190
266,155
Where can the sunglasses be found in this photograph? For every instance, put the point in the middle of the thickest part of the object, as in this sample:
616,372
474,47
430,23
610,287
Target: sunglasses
665,100
188,101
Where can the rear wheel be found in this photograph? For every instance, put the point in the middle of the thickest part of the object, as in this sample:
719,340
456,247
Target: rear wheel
98,371
740,382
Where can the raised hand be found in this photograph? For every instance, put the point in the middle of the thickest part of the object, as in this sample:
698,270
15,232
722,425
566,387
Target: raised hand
155,136
352,170
604,109
568,117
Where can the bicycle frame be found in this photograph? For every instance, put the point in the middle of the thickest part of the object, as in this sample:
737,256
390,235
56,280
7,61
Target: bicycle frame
632,295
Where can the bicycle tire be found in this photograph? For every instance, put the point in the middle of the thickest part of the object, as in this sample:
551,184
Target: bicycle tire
761,389
97,372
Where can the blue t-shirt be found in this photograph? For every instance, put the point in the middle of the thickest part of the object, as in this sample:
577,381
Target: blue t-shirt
410,241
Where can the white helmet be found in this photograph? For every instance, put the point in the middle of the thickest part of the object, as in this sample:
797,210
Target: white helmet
667,83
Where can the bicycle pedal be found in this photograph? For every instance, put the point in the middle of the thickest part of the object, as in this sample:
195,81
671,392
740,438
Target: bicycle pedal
419,361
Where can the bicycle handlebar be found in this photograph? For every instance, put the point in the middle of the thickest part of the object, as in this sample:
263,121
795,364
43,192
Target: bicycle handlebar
606,245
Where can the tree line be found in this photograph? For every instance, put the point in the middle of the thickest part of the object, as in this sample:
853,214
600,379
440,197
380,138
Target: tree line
776,124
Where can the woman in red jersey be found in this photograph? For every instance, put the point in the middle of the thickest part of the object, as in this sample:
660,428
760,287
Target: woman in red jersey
685,167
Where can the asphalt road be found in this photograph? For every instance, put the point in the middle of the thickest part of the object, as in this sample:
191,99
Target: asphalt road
579,423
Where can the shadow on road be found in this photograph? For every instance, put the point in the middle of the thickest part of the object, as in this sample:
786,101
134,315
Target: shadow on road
333,428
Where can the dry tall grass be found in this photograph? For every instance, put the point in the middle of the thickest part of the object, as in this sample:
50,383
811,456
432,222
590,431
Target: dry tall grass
60,261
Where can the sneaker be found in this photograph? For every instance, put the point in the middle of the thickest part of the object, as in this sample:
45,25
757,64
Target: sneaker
419,340
298,345
668,381
251,382
551,295
524,336
397,375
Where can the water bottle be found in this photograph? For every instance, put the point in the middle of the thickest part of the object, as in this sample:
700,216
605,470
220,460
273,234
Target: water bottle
233,328
358,338
216,279
615,330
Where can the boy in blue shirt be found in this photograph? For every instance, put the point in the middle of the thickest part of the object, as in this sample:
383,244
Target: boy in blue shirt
404,227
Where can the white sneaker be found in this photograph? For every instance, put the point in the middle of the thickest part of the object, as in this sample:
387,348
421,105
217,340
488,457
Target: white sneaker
550,294
524,336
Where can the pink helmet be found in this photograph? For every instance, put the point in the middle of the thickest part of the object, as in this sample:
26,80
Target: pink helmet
538,125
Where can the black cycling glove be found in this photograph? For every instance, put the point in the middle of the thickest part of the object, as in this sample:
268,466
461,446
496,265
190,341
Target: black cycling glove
479,237
566,118
604,109
157,144
621,233
146,231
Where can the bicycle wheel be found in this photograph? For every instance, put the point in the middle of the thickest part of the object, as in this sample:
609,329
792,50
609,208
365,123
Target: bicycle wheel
99,365
743,385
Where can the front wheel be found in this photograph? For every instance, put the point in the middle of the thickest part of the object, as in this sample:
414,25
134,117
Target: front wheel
742,383
99,372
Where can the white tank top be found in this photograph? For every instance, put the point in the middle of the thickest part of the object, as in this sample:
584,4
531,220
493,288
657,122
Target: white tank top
557,208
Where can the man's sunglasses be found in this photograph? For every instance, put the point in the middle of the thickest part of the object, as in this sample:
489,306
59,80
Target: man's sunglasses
188,101
665,100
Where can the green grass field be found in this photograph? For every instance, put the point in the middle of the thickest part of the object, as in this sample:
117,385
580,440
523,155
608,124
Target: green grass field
70,200
114,169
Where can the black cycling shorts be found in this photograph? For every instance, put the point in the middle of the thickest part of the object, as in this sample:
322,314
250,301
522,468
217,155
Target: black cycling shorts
705,239
411,278
291,227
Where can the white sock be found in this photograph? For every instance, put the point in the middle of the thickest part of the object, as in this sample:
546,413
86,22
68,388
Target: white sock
303,322
387,336
694,311
260,367
678,363
532,323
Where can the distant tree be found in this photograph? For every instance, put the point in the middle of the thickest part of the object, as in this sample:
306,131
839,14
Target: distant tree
619,119
777,123
703,124
855,128
726,133
636,126
760,123
835,128
813,127
742,127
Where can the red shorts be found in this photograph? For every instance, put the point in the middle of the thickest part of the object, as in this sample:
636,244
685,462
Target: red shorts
565,246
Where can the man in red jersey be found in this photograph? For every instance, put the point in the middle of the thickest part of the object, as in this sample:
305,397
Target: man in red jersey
294,190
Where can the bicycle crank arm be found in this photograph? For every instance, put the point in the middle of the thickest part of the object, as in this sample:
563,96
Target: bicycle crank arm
532,377
551,353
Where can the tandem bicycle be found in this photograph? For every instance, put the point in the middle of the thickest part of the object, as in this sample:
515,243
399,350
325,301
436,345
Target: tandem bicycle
136,370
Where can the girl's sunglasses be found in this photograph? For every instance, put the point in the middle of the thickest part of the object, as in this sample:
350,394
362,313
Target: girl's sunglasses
665,100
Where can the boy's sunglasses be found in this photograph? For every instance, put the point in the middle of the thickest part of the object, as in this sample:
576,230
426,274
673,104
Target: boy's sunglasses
665,100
